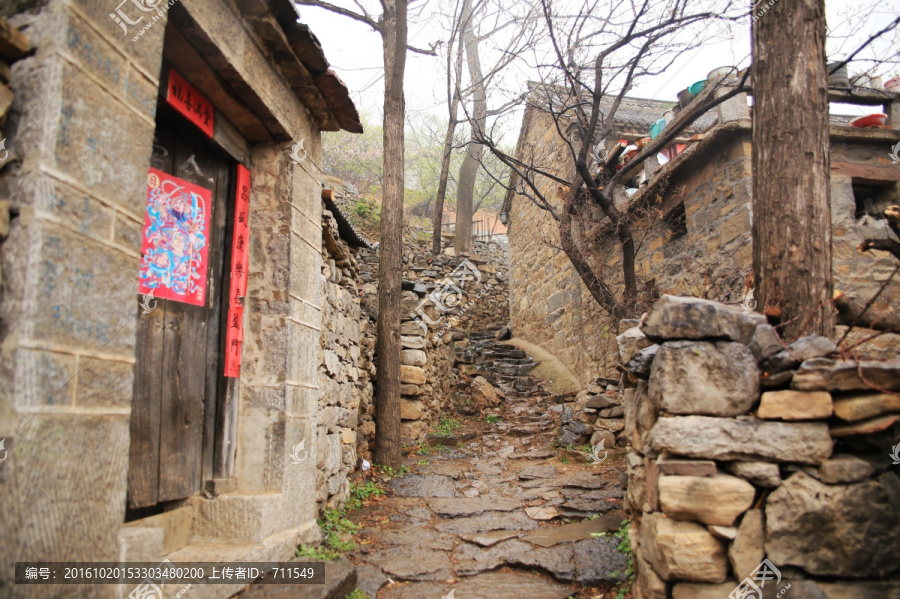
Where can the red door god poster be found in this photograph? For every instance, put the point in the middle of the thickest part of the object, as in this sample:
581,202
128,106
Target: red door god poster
175,241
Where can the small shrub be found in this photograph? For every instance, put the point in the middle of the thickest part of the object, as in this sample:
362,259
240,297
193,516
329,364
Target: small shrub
357,594
492,418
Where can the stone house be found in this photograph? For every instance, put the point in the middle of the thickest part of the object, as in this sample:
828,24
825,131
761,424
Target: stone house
693,224
160,383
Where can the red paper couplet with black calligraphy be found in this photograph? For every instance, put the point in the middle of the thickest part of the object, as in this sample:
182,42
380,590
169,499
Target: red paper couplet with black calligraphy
240,256
193,105
175,243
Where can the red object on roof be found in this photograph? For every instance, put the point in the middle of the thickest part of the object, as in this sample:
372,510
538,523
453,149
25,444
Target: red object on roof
871,120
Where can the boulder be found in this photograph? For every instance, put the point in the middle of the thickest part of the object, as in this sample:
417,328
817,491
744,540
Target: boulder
483,394
630,342
765,343
804,348
761,474
839,531
742,439
701,377
504,333
844,375
718,499
748,549
675,317
682,550
640,363
795,405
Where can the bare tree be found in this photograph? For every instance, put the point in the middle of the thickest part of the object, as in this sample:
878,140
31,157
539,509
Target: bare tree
392,26
597,55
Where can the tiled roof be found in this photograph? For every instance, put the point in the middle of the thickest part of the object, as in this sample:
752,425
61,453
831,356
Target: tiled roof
632,112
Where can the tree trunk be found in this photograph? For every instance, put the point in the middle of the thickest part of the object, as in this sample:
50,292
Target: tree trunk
571,206
454,81
387,398
791,193
469,170
445,174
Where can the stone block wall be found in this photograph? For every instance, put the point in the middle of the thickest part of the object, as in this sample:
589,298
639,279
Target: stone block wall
693,234
744,449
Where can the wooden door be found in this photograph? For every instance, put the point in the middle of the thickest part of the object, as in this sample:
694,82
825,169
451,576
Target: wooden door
178,371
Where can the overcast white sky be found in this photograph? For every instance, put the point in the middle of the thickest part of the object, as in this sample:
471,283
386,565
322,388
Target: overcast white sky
355,53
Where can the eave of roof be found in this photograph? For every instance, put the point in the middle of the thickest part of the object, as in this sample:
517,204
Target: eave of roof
308,50
346,230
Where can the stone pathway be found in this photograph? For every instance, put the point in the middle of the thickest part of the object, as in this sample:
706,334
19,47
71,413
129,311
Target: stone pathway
499,516
499,512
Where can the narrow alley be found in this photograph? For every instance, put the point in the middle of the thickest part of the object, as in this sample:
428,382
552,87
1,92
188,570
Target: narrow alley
487,506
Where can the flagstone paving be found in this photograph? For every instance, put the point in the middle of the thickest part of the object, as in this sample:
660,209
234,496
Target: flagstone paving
496,511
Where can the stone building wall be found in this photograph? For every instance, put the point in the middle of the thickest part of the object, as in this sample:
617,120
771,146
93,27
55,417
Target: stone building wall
693,234
80,137
765,451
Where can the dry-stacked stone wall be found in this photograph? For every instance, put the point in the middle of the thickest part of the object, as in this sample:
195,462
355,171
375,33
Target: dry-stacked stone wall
443,297
744,449
345,366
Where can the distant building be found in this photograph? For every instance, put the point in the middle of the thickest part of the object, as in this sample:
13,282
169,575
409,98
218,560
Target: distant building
692,223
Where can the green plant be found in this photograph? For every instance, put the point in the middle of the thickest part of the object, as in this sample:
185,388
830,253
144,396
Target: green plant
335,528
492,418
586,449
447,425
389,472
564,460
366,491
357,594
423,462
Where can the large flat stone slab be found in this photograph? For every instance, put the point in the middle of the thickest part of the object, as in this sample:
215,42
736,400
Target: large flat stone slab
417,485
472,506
674,317
742,439
487,522
598,560
702,377
548,536
411,563
489,539
490,585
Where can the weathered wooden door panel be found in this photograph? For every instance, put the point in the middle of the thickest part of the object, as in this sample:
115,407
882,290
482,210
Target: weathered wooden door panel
178,370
